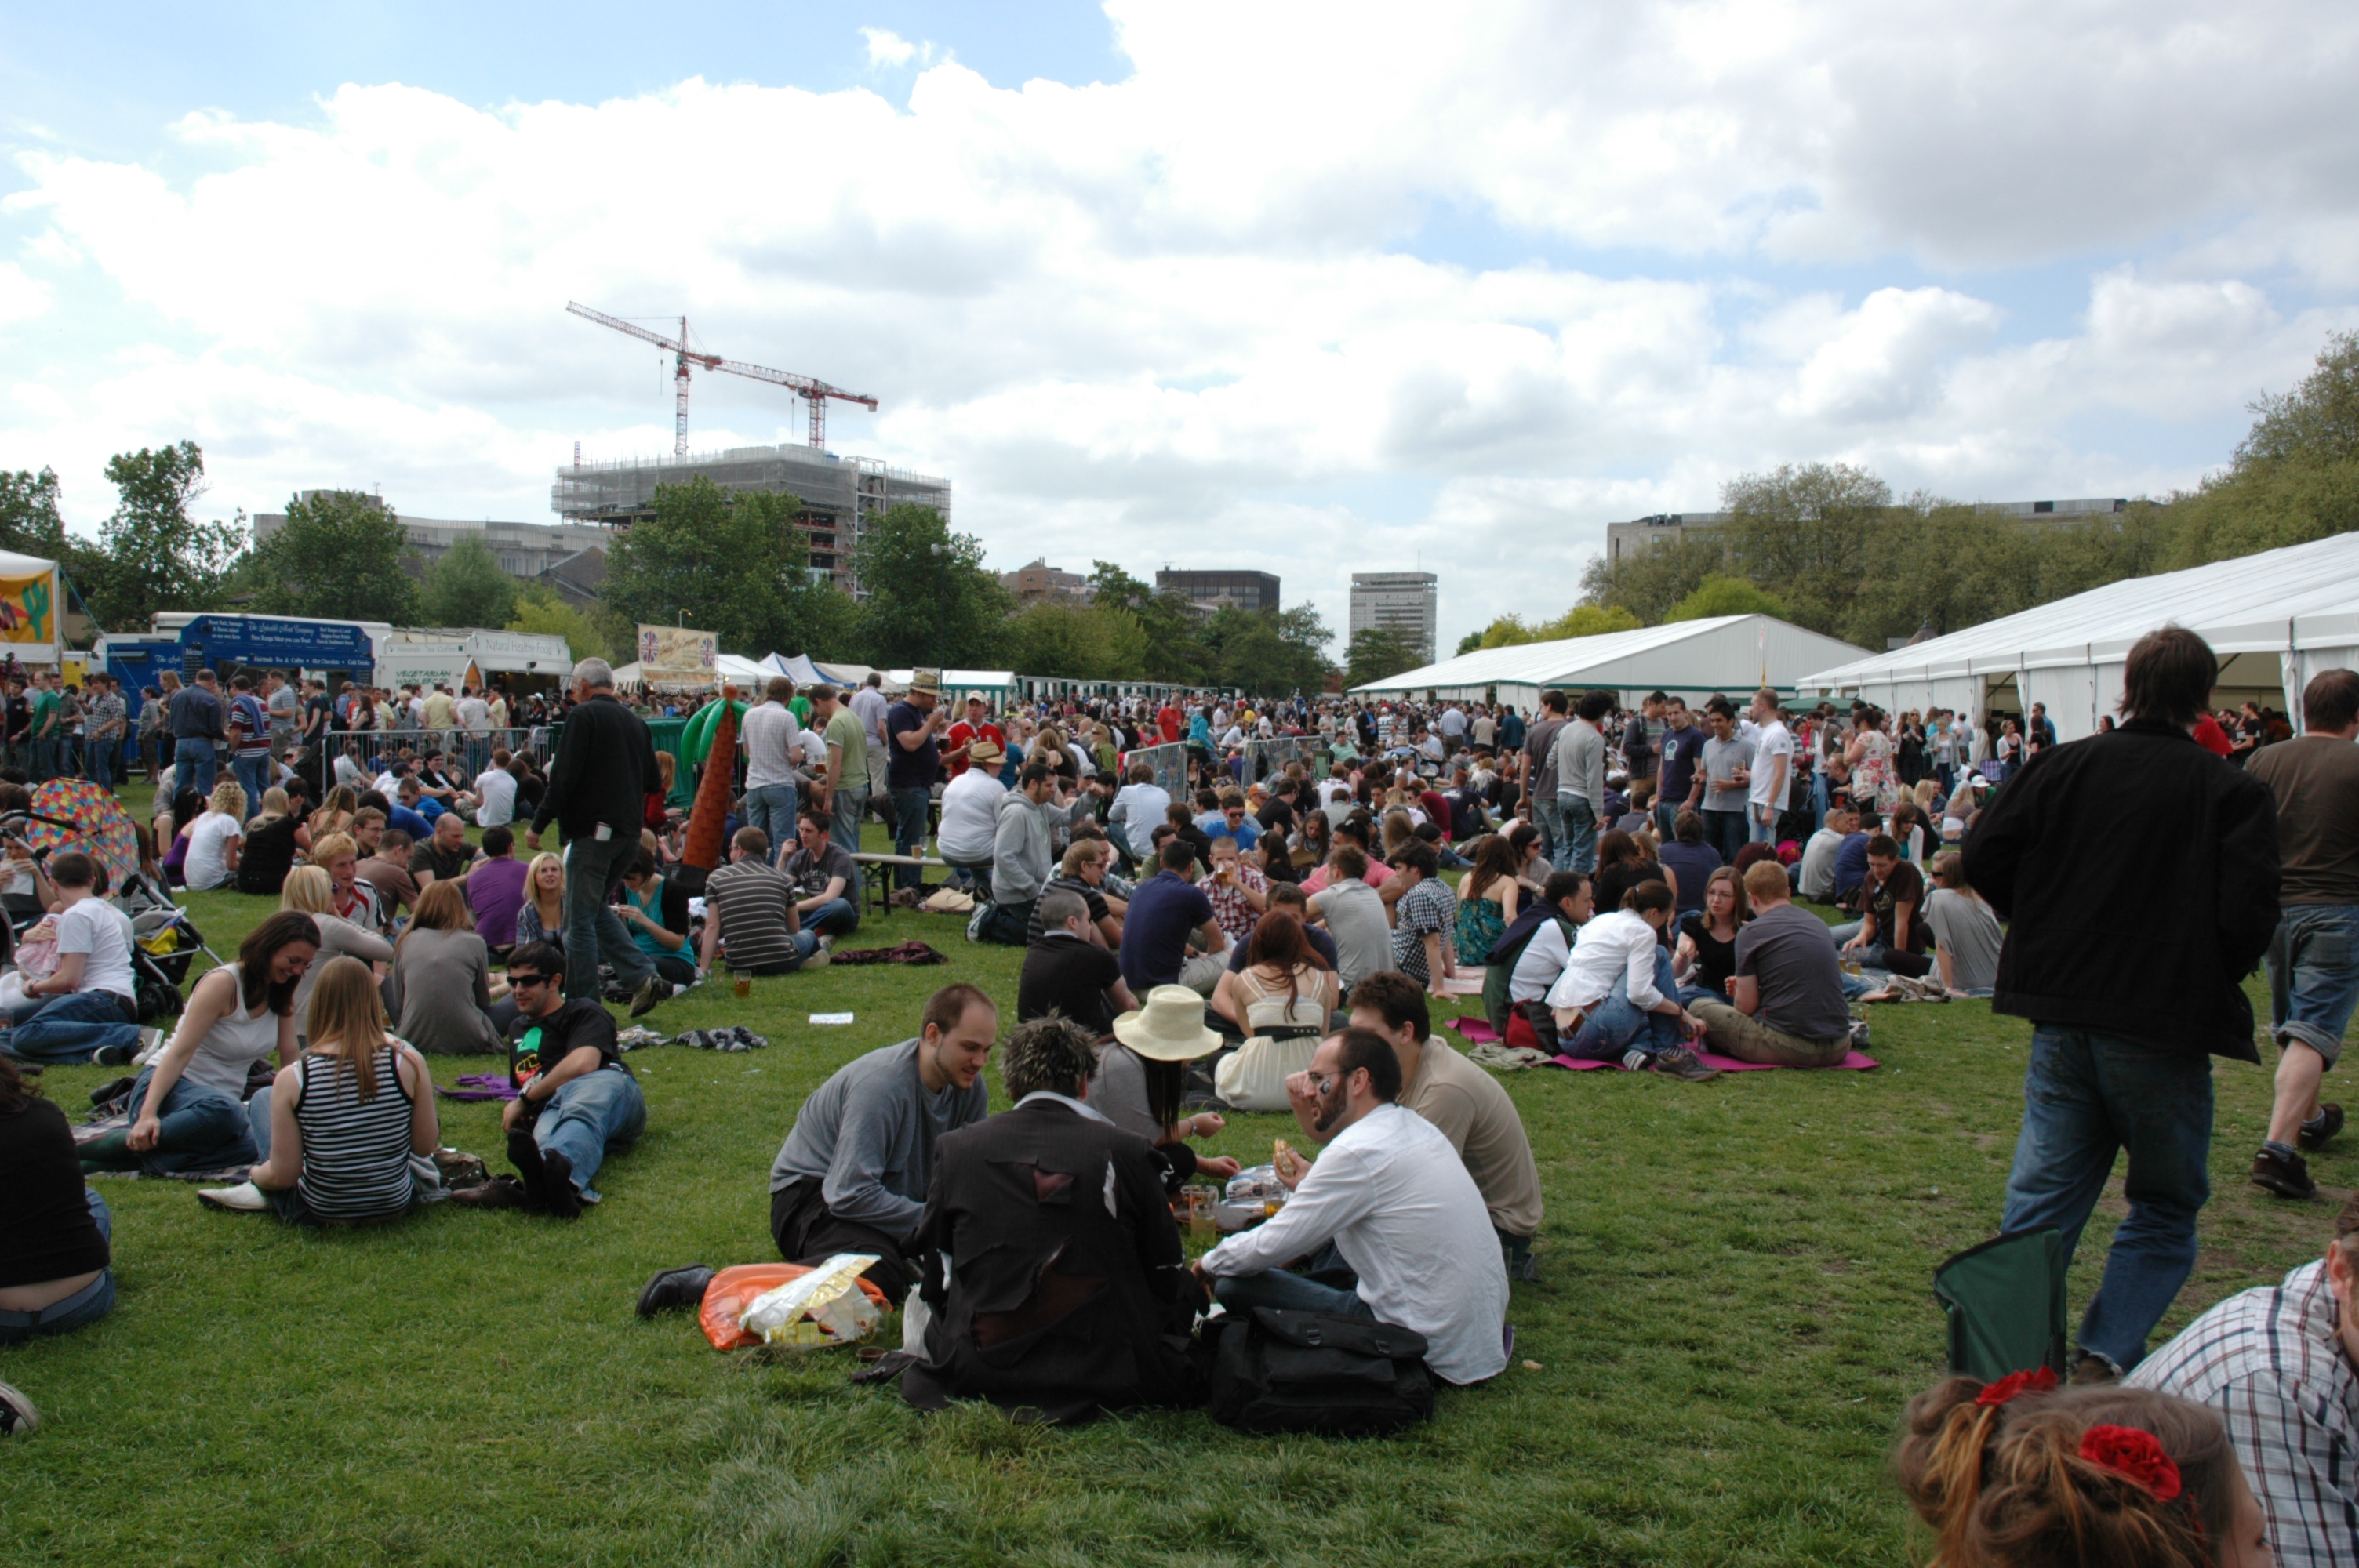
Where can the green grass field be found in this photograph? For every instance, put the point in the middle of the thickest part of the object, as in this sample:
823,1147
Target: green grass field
1735,1305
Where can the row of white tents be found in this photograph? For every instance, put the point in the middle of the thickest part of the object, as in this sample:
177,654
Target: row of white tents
2276,619
751,675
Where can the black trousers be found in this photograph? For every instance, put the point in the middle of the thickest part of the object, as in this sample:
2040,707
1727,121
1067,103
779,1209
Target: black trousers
807,1233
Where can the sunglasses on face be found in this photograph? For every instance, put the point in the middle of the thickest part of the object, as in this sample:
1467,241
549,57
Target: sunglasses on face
519,982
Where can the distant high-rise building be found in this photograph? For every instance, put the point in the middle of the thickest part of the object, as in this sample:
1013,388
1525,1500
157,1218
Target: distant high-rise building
1405,602
1209,591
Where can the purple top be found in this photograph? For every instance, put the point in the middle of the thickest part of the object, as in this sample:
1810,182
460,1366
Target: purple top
495,891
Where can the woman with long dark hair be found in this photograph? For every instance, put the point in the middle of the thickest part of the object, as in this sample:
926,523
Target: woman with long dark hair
1143,1077
188,1107
1488,897
441,977
1282,999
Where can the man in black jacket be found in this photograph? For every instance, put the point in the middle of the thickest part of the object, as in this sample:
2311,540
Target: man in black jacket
598,784
1068,1289
2139,873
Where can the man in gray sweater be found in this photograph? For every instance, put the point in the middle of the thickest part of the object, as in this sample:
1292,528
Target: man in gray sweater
1581,782
1022,855
851,1176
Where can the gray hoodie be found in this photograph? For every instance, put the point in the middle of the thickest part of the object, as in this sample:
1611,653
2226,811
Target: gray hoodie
1021,856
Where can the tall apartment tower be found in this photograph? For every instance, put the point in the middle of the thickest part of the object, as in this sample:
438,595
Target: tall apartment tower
1397,601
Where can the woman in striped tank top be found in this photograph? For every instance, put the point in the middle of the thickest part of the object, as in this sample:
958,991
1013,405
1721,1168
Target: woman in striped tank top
346,1131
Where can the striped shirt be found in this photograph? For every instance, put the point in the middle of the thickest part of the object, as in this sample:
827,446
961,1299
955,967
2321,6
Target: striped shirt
355,1151
755,902
2271,1362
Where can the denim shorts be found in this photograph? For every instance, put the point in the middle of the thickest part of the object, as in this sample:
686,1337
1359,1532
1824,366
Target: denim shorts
2313,963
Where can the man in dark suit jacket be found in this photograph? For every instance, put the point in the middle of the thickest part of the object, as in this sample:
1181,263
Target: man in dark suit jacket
1069,1292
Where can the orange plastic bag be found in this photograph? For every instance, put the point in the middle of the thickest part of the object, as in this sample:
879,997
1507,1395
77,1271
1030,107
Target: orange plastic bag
734,1289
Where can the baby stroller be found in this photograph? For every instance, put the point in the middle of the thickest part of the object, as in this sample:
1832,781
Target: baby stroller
164,945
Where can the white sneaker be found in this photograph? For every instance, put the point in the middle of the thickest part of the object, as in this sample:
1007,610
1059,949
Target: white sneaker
243,1198
151,1046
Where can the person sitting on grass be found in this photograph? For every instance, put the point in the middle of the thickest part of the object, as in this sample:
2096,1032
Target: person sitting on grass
1616,1000
441,985
385,869
1142,1082
56,1236
824,876
1785,1005
1530,956
1890,933
655,908
1966,933
87,1007
311,892
444,856
1020,860
2022,1473
854,1172
1813,876
2277,1365
496,891
1042,1295
541,916
577,1101
214,840
1169,936
1082,873
1425,943
1706,953
1467,1104
345,1133
750,906
1066,973
188,1107
1390,1202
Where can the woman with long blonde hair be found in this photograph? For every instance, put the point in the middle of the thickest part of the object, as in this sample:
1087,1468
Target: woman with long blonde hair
335,813
542,918
216,839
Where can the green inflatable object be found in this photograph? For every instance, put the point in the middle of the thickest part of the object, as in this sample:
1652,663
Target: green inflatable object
696,740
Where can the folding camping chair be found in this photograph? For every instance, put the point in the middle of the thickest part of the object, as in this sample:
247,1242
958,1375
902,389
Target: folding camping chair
2005,1304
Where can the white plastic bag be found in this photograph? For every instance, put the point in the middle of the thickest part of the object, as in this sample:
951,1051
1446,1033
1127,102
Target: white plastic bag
826,1306
915,1315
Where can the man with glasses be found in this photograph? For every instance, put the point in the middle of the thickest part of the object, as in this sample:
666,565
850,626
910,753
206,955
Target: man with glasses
576,1099
1402,1214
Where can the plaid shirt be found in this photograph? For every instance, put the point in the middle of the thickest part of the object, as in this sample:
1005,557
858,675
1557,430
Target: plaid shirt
2271,1362
1236,913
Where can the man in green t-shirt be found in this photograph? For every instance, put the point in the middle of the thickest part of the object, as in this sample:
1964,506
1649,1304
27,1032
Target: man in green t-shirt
842,792
47,754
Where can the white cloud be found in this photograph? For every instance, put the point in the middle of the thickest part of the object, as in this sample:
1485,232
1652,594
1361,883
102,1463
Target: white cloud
1173,318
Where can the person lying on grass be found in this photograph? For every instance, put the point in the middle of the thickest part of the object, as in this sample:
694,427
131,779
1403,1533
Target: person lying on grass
1390,1202
344,1132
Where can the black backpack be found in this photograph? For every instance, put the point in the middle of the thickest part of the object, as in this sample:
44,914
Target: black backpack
1313,1371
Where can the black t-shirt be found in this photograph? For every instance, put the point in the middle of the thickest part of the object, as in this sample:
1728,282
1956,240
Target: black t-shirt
811,874
1276,816
1715,959
267,855
1615,880
1070,976
317,713
537,1043
45,1230
1907,885
20,717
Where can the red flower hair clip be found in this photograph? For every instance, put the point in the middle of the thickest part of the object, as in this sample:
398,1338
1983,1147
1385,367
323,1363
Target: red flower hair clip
2038,1380
2129,1450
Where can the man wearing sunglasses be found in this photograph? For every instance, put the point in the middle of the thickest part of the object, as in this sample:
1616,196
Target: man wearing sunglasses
575,1097
1394,1200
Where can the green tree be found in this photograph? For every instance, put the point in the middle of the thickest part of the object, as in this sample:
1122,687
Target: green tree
1177,651
1269,652
466,586
1726,595
157,557
1380,651
2295,476
30,523
338,556
736,565
1581,620
1800,531
1076,642
929,600
538,608
1471,641
1650,582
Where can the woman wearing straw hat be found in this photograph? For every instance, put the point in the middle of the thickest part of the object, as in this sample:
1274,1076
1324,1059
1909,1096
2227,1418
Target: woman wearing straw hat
1143,1075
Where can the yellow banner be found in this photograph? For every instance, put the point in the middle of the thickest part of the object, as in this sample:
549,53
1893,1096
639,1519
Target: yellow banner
28,607
676,653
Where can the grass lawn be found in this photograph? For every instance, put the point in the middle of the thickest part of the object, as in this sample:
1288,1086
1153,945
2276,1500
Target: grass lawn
1734,1305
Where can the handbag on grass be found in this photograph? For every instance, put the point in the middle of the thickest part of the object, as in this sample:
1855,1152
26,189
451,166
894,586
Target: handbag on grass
1275,1370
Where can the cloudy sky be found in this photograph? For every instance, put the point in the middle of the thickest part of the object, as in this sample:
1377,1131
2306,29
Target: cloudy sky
1307,288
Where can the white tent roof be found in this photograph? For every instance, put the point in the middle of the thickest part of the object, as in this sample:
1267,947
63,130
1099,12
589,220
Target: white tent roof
2303,596
1720,652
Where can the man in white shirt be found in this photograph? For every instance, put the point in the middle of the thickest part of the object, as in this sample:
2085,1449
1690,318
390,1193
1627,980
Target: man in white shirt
1139,805
1393,1199
495,793
85,1008
1617,1002
770,734
970,824
1770,774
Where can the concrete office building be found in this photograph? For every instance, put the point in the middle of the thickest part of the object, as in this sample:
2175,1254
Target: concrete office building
523,549
1209,591
1406,602
1623,539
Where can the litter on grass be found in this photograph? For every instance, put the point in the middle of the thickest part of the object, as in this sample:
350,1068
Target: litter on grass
830,1018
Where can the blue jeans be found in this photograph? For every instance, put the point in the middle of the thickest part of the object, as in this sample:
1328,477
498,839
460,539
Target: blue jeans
1727,832
1287,1292
2086,1097
1546,812
80,1309
253,777
1614,1027
69,1028
806,943
836,918
98,761
1757,830
1819,800
771,808
588,1116
850,804
910,806
194,764
593,929
1576,849
198,1128
2314,975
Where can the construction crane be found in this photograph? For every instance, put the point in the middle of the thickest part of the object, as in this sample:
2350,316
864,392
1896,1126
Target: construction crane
815,393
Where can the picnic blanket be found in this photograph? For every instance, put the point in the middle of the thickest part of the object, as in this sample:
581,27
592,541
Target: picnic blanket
1477,1031
911,952
480,1087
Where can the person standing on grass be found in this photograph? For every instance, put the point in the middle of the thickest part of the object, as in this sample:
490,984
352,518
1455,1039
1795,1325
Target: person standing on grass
598,784
1579,756
103,743
853,1174
1717,786
2313,959
843,795
2140,874
1770,774
771,733
577,1101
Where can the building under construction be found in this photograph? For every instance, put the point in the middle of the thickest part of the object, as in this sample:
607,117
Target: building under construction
839,494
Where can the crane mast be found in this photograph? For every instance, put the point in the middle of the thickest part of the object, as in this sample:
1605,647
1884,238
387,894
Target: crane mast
813,392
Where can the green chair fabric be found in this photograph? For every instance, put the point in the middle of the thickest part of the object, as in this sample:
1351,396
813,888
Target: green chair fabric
2005,1304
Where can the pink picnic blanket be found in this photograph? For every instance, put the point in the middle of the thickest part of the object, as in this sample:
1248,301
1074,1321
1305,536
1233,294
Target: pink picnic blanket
1476,1031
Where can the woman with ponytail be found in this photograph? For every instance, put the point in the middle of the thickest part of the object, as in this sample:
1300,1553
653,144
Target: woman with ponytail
2022,1473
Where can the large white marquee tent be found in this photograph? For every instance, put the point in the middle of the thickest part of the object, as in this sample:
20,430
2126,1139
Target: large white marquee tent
2275,618
1730,654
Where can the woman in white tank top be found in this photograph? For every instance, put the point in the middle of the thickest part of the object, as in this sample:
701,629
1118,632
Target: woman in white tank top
187,1110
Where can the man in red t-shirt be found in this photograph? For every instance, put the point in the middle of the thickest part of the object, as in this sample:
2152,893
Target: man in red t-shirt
975,726
1168,722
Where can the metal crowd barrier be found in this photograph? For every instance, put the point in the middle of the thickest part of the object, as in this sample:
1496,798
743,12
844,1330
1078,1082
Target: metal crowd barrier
1169,761
372,747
